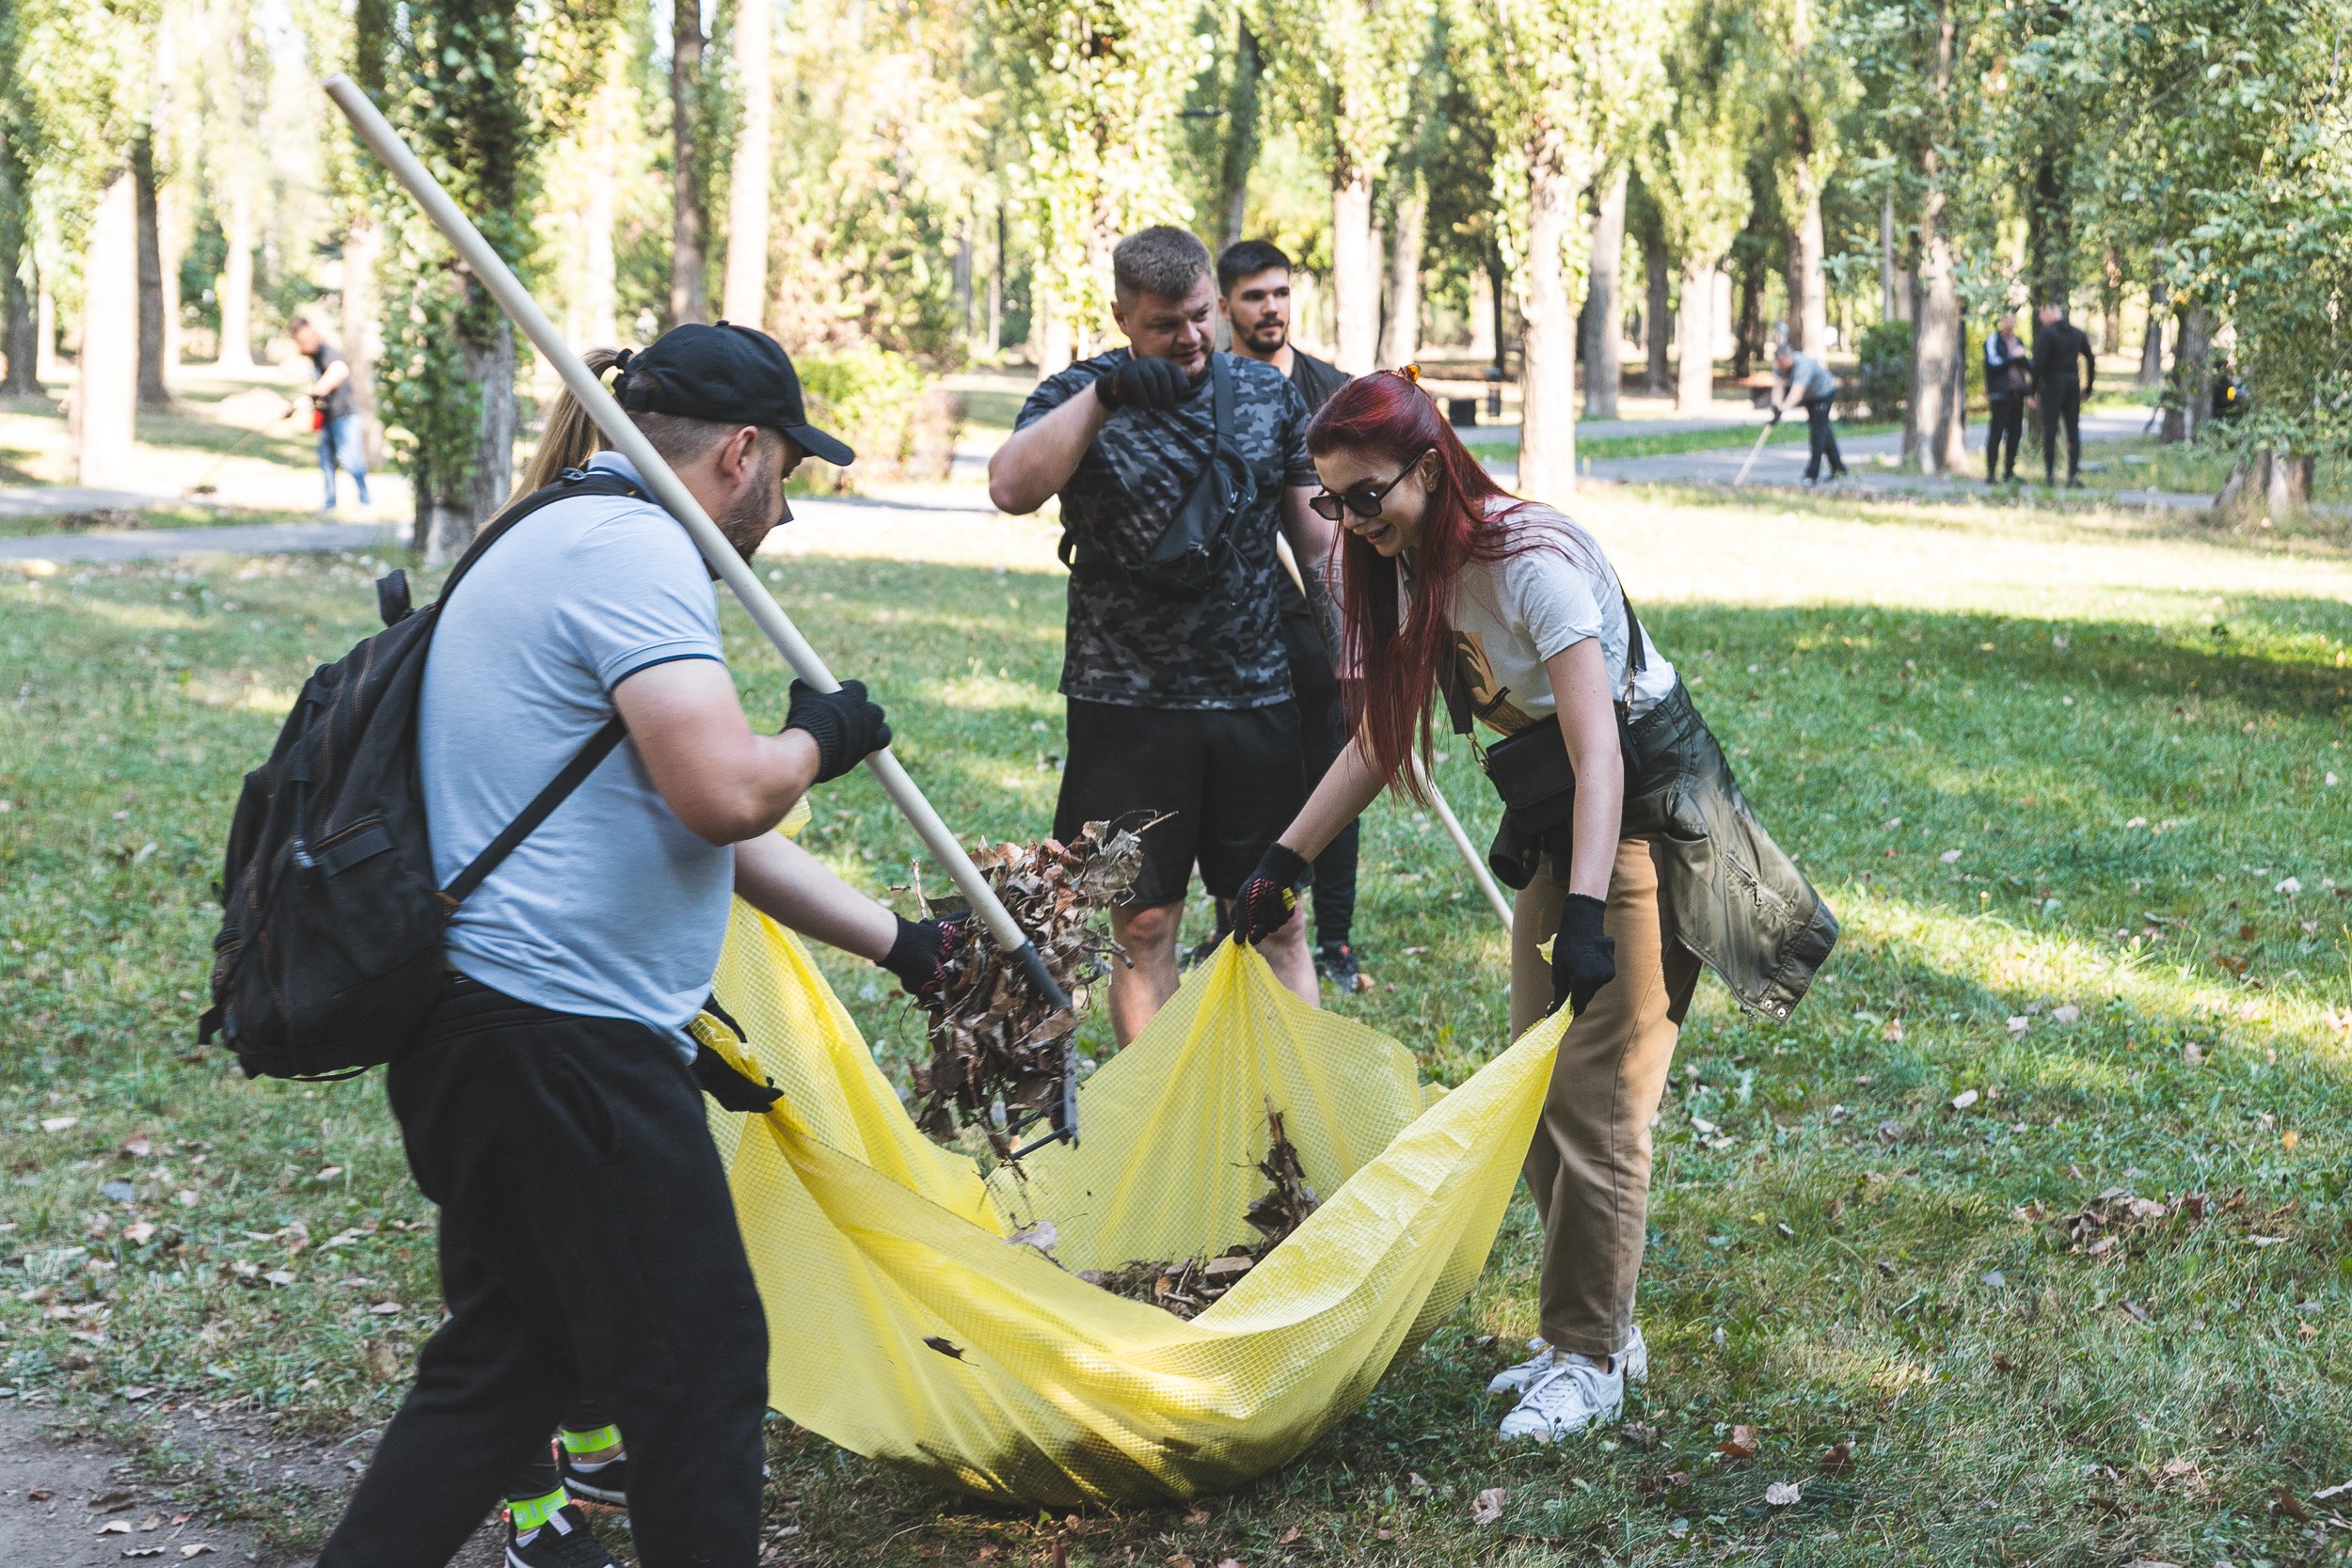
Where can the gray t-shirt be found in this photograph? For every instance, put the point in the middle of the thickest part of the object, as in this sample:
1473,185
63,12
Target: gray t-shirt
1511,616
613,908
1811,376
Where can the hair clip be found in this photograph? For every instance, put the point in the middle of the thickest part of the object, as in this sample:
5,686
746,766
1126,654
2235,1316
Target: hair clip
1410,372
620,369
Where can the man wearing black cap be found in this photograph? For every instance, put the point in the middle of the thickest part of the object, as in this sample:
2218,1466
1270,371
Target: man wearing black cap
588,1244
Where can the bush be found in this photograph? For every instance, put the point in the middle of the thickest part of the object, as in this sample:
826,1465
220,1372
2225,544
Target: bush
1882,379
884,406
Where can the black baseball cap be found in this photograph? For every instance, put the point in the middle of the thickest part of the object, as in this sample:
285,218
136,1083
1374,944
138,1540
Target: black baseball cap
724,373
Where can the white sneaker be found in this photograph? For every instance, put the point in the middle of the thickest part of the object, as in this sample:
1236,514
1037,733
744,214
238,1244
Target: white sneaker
1634,1361
1570,1395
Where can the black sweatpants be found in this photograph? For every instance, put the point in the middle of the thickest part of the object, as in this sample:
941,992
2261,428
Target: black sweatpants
588,1241
2006,422
1323,735
2061,405
1821,438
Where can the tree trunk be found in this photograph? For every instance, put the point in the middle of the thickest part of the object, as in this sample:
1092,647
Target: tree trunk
363,243
2151,341
1484,318
1602,332
1932,429
1659,324
447,513
1694,379
1808,299
1891,305
235,289
1404,247
2049,234
1748,337
45,364
689,296
996,284
2188,401
171,238
20,316
2265,487
107,386
745,300
154,391
1547,377
1240,134
1355,277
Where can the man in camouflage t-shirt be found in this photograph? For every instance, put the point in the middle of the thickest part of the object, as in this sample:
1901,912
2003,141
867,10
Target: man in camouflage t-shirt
1180,703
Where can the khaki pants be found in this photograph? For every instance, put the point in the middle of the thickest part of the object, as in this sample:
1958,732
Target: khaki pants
1589,1168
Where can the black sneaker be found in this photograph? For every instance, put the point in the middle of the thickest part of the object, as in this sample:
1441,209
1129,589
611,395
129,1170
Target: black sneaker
564,1542
606,1484
1336,962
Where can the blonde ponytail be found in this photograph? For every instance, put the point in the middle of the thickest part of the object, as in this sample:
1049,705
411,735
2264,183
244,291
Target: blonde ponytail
571,437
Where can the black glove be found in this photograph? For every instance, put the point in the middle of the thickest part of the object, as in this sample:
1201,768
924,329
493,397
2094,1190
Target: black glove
844,724
730,1088
1583,957
917,955
1270,896
1143,382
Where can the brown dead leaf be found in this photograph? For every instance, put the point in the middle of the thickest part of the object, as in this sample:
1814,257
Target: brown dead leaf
1839,1459
1740,1445
1487,1508
2002,1362
1289,1537
1196,1515
2285,1502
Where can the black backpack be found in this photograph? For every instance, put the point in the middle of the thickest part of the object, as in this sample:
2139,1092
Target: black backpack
329,952
1188,557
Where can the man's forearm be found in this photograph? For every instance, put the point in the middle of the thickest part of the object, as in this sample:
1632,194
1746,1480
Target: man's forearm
795,889
1036,462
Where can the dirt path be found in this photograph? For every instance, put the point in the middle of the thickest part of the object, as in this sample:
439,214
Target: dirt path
81,1505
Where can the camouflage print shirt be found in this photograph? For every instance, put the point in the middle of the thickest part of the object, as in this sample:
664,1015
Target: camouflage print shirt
1135,645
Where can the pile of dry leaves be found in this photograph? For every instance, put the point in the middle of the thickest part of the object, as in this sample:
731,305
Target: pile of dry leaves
2117,1215
996,1039
1187,1287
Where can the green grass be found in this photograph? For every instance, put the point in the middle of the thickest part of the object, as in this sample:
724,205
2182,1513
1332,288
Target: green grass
1790,432
151,516
2129,767
2144,463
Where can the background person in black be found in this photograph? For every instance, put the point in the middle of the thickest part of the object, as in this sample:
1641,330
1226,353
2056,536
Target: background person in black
1253,285
2005,380
1179,701
2056,348
340,445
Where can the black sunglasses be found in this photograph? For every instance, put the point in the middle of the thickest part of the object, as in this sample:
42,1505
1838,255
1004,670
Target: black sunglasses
1362,500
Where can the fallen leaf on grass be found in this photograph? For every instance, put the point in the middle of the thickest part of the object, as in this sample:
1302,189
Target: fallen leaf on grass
2138,1313
1740,1445
1196,1515
39,1495
58,1124
1289,1537
2002,1362
1782,1493
2283,1502
1839,1459
1964,1099
1487,1508
2336,1491
384,1309
2150,1562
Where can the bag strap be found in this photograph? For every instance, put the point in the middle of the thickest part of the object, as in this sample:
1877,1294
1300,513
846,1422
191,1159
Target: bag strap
610,734
1220,399
575,482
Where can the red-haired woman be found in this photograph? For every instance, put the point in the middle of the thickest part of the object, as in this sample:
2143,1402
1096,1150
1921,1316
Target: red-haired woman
1629,845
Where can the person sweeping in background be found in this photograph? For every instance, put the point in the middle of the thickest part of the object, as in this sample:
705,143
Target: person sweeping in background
1630,846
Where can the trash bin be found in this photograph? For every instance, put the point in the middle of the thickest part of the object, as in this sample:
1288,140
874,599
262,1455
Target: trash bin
1462,413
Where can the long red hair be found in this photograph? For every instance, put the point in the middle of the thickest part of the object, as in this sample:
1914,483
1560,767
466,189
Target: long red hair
1393,694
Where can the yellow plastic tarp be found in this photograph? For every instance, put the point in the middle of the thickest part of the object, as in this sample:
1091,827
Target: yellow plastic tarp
905,1325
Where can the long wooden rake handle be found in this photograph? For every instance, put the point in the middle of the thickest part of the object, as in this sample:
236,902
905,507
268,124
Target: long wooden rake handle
494,275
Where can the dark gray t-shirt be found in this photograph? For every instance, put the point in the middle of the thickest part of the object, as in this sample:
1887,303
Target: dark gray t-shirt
1135,646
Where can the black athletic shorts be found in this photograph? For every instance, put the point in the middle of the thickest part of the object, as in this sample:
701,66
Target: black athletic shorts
1227,781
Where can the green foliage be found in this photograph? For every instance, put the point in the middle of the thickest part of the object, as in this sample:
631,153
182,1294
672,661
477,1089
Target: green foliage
1696,163
1882,376
1094,87
1343,73
868,396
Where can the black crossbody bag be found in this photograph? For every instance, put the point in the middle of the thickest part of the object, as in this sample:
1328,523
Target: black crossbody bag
1187,557
1530,770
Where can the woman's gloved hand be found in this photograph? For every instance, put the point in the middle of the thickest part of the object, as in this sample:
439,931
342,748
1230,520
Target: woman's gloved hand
1583,955
917,956
1268,899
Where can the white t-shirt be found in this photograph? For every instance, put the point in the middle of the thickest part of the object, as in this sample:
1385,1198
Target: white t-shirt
613,908
1510,616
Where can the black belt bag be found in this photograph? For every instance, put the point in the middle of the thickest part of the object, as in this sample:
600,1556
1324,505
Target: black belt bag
1530,770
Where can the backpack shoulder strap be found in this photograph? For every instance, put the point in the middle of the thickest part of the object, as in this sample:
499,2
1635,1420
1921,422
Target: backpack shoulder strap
575,482
1221,394
610,734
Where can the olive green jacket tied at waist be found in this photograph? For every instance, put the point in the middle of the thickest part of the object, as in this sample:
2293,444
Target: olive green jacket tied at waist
1734,897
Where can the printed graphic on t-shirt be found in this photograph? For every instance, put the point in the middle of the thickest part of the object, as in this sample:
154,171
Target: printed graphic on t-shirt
1489,700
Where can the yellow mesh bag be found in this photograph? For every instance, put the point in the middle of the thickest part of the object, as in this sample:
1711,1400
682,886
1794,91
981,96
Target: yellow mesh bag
905,1325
